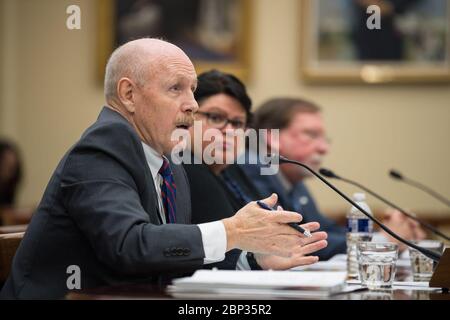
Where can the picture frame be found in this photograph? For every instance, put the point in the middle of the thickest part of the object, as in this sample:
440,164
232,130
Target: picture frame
334,51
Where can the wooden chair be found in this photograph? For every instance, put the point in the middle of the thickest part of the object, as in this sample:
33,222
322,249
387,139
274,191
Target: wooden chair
13,229
8,246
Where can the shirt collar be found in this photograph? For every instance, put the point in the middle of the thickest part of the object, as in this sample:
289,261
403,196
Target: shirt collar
154,159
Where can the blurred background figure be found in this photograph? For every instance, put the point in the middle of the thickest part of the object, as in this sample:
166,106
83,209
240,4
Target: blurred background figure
10,178
10,173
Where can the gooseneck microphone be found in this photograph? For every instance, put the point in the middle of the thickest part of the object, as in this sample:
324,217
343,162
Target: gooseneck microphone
398,176
431,254
330,174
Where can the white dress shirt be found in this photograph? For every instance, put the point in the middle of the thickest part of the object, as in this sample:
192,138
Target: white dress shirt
214,236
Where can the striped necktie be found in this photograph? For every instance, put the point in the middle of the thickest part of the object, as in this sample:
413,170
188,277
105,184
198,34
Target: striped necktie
168,191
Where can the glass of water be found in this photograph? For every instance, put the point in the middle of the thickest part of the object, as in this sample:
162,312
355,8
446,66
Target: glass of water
422,266
377,264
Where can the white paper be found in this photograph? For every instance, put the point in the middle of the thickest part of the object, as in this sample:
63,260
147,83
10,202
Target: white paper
259,284
264,279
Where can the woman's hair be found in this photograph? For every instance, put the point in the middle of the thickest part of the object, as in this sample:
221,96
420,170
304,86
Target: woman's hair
215,82
8,188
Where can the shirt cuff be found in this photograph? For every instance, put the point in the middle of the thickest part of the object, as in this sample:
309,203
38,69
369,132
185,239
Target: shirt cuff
214,238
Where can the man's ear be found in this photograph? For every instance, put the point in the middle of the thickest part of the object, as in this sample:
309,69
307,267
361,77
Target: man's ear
126,91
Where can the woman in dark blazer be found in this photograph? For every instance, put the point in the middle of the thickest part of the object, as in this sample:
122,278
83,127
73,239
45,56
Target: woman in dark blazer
225,108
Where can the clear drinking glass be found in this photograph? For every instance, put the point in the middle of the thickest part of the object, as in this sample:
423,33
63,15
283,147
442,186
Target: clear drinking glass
377,264
422,266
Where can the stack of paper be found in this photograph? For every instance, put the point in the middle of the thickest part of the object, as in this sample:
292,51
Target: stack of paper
251,284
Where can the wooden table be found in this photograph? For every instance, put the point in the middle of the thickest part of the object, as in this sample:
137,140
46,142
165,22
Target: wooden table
153,292
150,292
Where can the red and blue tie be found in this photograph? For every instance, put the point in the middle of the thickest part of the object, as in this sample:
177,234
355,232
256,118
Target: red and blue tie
168,191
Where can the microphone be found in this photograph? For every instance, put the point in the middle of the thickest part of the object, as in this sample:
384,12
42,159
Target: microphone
330,174
398,176
430,254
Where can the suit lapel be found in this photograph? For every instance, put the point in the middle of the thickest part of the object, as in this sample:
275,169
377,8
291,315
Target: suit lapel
146,186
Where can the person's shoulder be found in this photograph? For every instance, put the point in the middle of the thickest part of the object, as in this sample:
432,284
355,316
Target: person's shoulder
111,134
109,145
302,188
110,126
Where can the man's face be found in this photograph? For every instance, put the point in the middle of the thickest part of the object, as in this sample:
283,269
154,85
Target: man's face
304,139
166,102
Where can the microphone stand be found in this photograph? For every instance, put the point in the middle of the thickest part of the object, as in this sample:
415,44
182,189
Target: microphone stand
441,275
397,175
430,254
330,174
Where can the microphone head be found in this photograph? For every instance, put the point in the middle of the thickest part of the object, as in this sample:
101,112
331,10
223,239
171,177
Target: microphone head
328,173
395,174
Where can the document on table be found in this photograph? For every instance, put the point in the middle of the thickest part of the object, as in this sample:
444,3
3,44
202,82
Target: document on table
261,283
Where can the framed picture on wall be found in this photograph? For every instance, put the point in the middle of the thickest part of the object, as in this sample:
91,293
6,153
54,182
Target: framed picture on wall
213,33
411,45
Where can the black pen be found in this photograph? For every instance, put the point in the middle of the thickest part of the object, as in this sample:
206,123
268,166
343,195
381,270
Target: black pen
303,231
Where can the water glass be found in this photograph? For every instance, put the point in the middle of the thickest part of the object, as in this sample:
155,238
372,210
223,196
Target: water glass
422,266
377,262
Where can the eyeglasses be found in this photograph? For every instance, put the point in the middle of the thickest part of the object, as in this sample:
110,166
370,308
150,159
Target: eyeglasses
220,121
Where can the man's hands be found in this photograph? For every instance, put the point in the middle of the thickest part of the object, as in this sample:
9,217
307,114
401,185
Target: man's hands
261,231
298,258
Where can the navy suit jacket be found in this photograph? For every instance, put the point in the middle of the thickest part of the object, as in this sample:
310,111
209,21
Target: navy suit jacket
299,200
100,213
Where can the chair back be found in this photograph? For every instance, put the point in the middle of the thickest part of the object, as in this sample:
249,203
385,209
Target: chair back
9,243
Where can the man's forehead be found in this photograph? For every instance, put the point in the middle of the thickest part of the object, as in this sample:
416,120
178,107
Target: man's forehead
181,75
176,68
